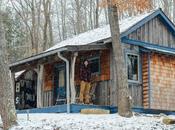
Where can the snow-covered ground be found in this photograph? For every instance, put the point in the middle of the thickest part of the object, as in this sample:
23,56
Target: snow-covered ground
90,122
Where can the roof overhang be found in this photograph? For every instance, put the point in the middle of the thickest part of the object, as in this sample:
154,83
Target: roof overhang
150,46
88,47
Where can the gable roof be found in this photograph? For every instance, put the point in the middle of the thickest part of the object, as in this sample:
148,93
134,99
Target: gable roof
101,34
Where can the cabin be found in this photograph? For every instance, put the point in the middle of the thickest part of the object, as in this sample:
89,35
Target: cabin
148,42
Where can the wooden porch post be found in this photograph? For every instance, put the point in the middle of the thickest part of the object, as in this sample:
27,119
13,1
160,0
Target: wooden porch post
72,77
40,86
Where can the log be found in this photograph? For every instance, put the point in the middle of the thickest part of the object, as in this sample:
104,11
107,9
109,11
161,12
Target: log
72,78
39,85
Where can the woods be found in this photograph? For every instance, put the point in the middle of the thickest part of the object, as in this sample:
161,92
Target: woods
38,24
29,27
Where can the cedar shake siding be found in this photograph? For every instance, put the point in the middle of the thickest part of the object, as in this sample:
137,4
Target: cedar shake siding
145,80
162,76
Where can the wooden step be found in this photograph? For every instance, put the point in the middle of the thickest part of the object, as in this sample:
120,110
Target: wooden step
94,111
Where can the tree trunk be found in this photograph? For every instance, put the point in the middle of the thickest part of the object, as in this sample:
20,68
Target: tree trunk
174,11
72,78
124,106
7,108
97,14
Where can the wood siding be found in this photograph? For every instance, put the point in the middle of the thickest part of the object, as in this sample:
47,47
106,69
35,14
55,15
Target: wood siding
102,91
145,80
48,77
48,98
135,91
154,32
162,72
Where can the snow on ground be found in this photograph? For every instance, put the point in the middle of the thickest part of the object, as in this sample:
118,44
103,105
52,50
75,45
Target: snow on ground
90,122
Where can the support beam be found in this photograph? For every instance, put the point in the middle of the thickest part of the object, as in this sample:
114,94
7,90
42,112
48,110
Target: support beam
40,71
86,47
72,77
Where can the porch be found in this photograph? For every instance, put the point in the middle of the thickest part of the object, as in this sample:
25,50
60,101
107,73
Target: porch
76,108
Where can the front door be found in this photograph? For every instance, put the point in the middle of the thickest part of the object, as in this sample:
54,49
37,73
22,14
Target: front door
59,85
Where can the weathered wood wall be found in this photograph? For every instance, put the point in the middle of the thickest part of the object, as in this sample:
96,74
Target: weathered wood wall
48,85
154,32
103,78
48,98
135,89
103,93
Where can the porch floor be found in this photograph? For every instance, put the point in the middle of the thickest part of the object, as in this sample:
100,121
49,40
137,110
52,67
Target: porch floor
76,108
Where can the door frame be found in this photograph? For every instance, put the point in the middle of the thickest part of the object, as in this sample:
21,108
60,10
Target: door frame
58,67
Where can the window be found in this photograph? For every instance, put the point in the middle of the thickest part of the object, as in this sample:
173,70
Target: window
133,67
95,65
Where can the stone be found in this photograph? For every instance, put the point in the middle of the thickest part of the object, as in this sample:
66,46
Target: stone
168,120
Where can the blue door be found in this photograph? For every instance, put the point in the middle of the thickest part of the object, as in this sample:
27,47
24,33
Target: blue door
59,84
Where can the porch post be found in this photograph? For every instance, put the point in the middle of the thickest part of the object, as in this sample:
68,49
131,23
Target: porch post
72,77
67,80
39,85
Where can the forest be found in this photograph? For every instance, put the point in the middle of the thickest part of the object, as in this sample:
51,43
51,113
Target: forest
32,26
28,28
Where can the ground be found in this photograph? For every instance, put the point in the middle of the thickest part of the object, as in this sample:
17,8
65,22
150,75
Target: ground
90,122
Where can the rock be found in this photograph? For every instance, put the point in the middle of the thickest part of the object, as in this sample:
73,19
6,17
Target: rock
168,121
94,111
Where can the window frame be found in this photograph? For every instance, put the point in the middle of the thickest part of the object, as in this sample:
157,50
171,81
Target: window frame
99,68
138,69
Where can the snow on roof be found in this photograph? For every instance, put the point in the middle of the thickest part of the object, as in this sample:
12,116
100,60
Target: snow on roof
17,74
98,34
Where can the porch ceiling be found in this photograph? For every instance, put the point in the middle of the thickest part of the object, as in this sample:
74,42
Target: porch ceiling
44,57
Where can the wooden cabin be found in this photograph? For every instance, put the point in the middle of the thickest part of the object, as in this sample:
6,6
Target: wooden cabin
148,42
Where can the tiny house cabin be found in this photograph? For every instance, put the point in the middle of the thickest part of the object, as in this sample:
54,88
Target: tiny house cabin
148,42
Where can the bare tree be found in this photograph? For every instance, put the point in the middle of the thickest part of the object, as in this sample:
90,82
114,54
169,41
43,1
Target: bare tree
124,108
33,13
7,108
97,14
47,31
174,11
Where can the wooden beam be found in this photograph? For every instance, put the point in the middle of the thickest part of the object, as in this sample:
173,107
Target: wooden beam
86,47
34,64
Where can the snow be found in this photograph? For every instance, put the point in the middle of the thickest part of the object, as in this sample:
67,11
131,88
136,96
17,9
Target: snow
90,122
98,34
17,74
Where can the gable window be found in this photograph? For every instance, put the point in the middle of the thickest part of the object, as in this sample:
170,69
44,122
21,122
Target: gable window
95,65
133,67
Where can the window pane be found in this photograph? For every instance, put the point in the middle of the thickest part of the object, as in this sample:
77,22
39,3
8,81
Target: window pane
61,78
95,66
132,63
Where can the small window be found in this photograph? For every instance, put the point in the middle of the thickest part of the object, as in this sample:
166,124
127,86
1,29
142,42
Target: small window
133,67
95,65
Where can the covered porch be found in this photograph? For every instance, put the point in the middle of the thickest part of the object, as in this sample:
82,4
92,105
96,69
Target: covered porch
54,75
